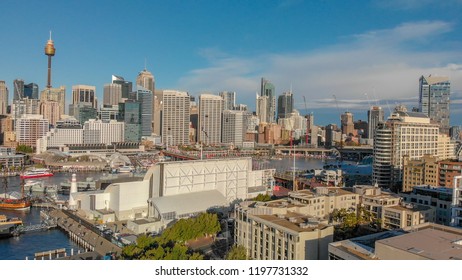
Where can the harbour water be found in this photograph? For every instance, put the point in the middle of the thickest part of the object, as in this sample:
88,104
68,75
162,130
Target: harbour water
26,245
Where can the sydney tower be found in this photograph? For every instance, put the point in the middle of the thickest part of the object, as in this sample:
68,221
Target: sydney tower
49,51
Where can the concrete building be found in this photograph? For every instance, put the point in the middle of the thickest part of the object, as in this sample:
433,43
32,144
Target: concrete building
50,111
229,100
277,233
405,133
210,119
108,112
99,132
234,127
434,93
84,93
112,94
83,111
285,104
3,98
422,171
18,89
375,115
422,242
447,171
55,94
25,106
439,198
175,190
374,200
59,137
9,158
175,117
348,127
145,79
29,128
406,215
157,112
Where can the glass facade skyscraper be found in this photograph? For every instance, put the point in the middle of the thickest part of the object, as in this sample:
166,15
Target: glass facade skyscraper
434,93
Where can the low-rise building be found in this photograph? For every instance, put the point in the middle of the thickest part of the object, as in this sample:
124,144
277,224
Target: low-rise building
439,198
374,200
282,234
421,242
406,215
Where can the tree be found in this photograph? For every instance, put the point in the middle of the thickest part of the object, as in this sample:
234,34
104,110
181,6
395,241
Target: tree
237,252
262,197
24,149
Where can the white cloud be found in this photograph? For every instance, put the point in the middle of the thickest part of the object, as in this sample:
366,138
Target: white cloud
375,62
415,4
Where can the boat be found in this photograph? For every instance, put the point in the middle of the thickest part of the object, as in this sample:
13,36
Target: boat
126,169
39,187
8,225
36,173
9,202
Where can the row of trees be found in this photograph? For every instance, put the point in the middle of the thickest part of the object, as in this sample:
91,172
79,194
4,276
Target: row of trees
350,222
170,245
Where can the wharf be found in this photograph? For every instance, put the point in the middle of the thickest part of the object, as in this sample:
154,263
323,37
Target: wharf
84,233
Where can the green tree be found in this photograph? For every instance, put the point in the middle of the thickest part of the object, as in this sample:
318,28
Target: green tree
24,149
237,252
262,197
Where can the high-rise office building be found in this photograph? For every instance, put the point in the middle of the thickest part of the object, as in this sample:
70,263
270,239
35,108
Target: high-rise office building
146,80
31,91
229,100
157,112
375,115
99,132
55,94
3,98
25,106
210,113
347,123
84,93
234,127
175,117
267,89
434,93
126,86
130,114
112,94
83,111
261,108
144,96
108,112
285,104
18,90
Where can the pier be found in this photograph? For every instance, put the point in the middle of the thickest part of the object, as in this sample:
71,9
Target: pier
84,233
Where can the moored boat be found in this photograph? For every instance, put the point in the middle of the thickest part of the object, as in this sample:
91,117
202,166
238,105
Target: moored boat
36,173
7,226
8,202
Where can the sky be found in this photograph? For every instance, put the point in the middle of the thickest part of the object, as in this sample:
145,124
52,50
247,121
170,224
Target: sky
362,52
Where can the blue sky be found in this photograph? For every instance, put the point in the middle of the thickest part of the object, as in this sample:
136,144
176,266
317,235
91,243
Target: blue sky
363,52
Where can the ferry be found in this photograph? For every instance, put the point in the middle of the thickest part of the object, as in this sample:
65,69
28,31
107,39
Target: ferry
36,173
7,226
126,169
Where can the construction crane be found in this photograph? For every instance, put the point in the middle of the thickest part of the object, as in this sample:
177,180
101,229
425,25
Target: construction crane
307,122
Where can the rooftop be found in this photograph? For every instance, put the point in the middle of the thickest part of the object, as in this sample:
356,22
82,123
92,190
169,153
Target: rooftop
294,222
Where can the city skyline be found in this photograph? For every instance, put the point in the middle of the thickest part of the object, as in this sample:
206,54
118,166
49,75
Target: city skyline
378,48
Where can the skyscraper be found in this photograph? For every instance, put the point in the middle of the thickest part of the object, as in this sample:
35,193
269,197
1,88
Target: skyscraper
3,98
112,94
50,111
18,85
126,85
210,113
229,99
146,80
375,115
234,127
31,91
285,104
434,95
144,96
55,94
267,89
175,117
262,104
130,114
348,126
83,93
